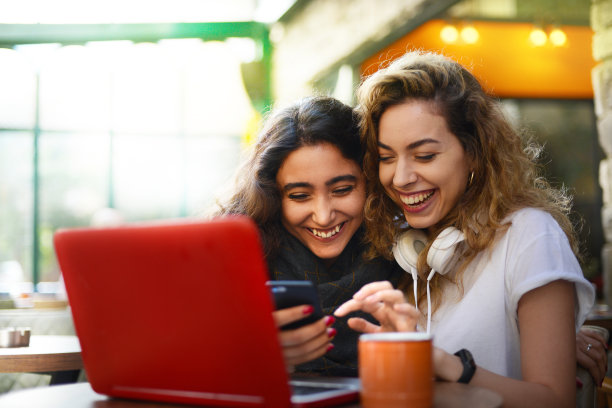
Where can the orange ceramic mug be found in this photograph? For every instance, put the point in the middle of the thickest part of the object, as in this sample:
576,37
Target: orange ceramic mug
396,370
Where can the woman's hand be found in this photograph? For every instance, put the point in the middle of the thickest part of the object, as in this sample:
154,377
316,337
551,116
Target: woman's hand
385,304
594,357
307,342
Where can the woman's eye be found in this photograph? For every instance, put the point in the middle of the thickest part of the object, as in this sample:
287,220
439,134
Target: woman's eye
343,190
383,159
298,196
425,157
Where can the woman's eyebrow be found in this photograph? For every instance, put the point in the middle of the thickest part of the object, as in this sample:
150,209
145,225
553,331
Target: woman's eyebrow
301,184
411,146
337,179
383,146
421,142
344,177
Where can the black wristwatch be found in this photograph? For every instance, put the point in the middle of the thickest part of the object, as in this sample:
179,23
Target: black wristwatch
469,366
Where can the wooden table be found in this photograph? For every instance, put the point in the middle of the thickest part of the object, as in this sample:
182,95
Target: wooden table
59,356
80,395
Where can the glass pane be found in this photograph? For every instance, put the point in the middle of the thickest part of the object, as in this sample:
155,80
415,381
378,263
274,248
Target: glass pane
148,174
147,90
17,91
73,185
16,209
216,101
210,165
74,90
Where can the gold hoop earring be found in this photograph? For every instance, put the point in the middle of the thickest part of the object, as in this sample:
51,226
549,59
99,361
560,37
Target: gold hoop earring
471,179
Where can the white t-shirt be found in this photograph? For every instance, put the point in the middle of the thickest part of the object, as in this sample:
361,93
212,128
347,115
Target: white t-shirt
534,251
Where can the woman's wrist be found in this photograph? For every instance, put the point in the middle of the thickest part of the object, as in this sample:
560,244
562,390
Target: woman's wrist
448,367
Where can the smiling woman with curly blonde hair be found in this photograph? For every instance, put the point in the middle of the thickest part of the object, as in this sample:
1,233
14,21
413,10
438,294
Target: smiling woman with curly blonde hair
504,289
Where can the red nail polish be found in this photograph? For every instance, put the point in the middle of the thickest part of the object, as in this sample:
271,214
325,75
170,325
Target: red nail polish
329,320
331,346
579,383
331,332
308,310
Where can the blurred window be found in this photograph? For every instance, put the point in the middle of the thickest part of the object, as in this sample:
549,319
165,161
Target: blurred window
152,130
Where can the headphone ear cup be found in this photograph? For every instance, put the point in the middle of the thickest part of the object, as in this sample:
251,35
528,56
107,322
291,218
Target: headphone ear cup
443,249
407,248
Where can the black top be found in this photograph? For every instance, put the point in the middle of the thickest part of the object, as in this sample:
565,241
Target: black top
335,285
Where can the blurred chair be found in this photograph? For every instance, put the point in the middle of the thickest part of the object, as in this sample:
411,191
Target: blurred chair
604,394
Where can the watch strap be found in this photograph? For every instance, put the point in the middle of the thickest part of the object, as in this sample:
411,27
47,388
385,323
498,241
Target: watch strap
469,366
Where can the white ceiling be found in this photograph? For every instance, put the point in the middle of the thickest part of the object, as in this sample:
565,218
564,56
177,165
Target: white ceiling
139,11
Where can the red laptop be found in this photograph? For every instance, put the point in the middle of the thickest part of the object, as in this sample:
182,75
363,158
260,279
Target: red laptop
180,312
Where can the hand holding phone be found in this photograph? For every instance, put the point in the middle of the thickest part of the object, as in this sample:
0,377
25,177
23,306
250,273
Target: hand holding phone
287,294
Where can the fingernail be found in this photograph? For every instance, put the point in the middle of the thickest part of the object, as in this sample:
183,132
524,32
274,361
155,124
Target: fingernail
579,383
331,332
331,346
329,320
606,346
307,310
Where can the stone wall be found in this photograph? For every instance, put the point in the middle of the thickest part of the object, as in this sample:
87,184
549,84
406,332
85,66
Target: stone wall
323,35
601,22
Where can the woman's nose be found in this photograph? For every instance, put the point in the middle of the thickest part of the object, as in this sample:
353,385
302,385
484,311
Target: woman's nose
405,174
323,213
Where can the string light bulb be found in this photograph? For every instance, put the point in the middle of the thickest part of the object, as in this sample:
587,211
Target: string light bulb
538,37
449,34
469,34
557,37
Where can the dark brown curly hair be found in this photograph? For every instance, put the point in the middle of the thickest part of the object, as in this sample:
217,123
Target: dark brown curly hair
308,122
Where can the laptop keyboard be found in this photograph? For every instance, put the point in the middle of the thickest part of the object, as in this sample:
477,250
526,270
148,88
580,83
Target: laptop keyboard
306,390
299,389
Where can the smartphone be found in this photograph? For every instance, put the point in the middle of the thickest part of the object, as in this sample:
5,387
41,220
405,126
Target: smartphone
293,293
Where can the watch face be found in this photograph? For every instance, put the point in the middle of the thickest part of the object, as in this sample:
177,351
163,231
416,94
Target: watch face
469,365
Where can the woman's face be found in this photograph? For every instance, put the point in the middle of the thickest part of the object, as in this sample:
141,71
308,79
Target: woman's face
423,166
323,194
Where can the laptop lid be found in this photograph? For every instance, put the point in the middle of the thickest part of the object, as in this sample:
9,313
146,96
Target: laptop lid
178,312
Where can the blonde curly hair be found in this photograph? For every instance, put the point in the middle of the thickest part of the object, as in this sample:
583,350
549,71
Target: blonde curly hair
506,174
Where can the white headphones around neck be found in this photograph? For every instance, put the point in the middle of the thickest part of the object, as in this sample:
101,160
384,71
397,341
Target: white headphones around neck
409,245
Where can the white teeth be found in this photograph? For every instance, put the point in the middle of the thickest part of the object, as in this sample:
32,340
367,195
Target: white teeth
328,234
415,199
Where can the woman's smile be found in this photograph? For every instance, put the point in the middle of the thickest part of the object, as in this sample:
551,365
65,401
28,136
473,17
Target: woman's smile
330,233
415,202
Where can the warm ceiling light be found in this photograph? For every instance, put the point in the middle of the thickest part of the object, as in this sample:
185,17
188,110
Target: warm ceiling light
469,34
449,34
557,37
538,37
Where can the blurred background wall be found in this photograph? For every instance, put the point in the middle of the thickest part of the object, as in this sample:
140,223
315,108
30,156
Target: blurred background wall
146,108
